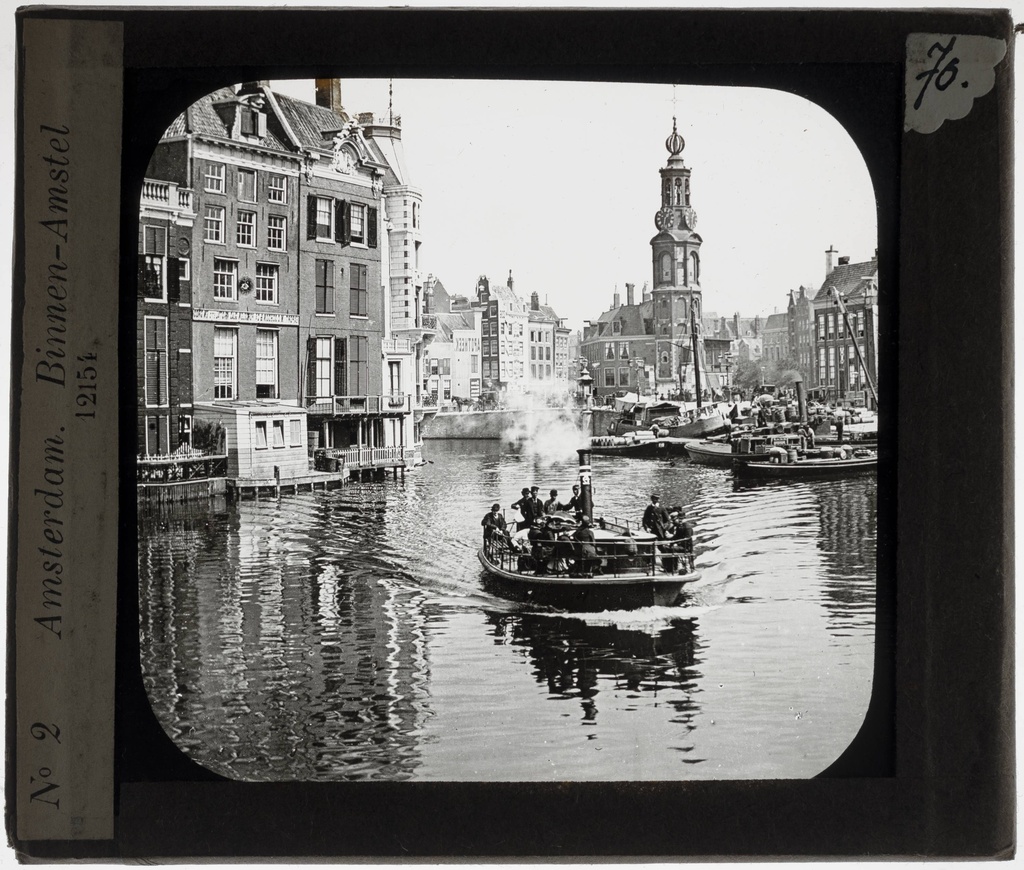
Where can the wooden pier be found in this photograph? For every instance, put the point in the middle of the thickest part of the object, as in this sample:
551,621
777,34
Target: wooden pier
323,480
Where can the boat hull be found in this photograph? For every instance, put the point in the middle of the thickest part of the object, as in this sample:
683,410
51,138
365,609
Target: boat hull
588,594
805,468
720,455
651,448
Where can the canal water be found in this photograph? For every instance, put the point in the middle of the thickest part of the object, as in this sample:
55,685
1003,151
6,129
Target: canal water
350,635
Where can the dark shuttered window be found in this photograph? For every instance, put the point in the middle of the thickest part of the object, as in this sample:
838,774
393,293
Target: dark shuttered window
325,287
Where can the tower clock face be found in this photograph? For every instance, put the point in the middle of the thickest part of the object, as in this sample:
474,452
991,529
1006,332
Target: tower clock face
665,219
689,217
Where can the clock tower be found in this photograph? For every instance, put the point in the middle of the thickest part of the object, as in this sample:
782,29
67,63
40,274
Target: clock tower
675,256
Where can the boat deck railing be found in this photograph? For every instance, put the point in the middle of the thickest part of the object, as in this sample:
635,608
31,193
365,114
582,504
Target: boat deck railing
618,558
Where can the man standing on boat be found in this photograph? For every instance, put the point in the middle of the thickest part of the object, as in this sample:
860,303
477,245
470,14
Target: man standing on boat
656,518
552,505
575,504
525,508
682,538
492,522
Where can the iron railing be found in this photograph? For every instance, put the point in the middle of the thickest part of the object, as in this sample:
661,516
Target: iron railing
180,467
338,406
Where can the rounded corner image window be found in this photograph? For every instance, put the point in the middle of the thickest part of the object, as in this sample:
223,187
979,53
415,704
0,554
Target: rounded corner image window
508,431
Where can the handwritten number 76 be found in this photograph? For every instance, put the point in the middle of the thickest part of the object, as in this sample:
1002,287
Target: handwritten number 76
943,77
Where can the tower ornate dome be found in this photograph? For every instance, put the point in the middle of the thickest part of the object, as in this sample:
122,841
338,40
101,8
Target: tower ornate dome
675,143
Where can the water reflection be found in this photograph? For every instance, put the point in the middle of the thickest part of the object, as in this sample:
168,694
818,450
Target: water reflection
571,658
350,635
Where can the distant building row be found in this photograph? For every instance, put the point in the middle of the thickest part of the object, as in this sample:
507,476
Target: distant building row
496,343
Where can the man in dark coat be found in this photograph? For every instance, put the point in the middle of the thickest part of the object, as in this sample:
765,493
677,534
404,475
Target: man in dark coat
586,552
656,518
492,522
528,509
575,504
682,538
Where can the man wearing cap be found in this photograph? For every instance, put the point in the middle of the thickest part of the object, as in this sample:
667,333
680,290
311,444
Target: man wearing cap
575,504
492,522
586,553
528,509
682,537
656,518
552,505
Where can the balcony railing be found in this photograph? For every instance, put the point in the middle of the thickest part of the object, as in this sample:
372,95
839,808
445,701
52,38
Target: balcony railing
361,457
185,465
340,406
396,345
166,193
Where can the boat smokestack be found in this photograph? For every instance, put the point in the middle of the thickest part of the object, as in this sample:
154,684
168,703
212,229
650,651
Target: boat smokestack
801,400
586,490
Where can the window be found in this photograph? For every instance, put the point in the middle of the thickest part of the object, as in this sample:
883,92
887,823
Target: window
357,291
533,354
156,362
278,433
395,378
225,351
821,365
358,369
324,367
609,350
184,269
253,123
266,282
277,188
358,223
246,185
623,376
831,326
821,327
832,365
276,232
609,377
266,364
261,434
860,323
245,230
324,218
666,268
213,224
474,362
296,433
213,179
225,279
154,252
486,328
325,286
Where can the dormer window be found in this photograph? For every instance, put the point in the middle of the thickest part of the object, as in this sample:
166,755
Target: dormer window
253,123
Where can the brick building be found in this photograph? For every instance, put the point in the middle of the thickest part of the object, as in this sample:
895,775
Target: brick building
164,319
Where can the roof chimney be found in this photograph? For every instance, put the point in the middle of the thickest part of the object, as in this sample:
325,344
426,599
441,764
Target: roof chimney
645,293
829,259
535,301
328,95
509,279
252,87
616,299
629,294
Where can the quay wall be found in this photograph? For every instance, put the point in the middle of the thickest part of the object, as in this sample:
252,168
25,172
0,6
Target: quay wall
191,490
601,419
490,425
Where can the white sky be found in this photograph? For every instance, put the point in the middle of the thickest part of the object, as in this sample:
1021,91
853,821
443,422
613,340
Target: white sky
558,181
